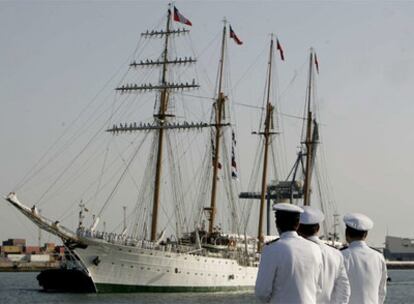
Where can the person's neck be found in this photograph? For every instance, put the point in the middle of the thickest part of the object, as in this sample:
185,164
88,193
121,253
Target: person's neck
286,230
350,240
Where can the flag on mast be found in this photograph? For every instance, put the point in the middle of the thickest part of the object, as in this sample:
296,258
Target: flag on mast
234,36
180,18
316,63
279,48
213,153
234,173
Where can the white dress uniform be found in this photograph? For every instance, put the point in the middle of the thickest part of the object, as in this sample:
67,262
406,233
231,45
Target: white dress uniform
290,271
366,268
335,283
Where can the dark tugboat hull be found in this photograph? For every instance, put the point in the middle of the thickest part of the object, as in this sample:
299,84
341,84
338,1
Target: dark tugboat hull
65,280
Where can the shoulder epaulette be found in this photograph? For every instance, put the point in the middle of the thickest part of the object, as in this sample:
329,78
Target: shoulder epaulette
332,246
343,248
376,249
273,241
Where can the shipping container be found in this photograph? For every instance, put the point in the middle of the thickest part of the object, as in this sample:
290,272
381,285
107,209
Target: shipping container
19,242
32,249
11,249
39,258
7,243
14,242
60,250
17,257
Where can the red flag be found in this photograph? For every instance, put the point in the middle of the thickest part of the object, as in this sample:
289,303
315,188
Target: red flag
234,36
316,64
180,18
279,48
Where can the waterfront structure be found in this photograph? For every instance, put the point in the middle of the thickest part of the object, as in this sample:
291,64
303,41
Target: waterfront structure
399,248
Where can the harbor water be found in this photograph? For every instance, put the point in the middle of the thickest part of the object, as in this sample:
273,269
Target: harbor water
23,288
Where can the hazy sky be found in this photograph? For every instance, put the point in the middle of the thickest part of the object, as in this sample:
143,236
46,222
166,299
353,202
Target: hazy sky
55,56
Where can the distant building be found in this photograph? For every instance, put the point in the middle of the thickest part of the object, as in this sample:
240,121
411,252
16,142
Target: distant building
399,249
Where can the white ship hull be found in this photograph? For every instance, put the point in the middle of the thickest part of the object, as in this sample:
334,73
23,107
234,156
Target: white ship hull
120,268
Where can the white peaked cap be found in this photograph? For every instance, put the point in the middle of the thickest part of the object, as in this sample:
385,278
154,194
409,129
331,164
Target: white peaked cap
287,208
358,221
311,216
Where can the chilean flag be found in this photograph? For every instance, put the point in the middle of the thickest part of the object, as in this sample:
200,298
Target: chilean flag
316,64
234,36
279,48
180,18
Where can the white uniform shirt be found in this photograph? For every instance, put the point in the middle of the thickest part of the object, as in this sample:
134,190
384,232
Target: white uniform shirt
335,283
367,273
290,271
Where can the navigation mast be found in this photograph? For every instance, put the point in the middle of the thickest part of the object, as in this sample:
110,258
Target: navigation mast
266,134
219,109
161,120
309,142
164,86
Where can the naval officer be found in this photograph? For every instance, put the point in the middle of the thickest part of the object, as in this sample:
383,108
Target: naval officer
366,268
335,283
290,269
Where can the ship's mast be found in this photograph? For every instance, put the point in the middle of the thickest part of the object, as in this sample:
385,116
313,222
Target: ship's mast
161,120
219,109
309,140
266,134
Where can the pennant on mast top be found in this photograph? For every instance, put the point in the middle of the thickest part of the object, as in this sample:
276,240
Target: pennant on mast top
316,63
180,18
234,36
279,48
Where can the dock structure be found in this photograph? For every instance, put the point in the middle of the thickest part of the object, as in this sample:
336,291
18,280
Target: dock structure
400,264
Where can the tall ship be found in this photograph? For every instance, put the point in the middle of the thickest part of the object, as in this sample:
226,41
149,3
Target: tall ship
186,230
174,242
